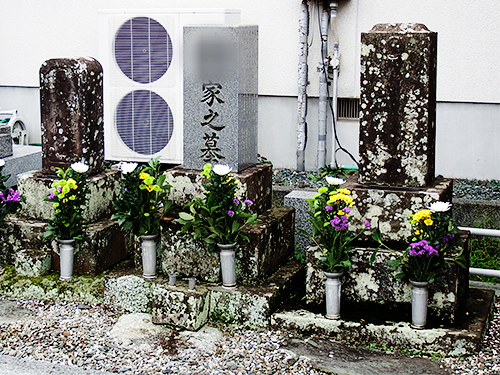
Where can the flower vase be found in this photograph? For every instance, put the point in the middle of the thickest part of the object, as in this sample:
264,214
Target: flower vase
228,265
148,249
419,297
332,294
66,253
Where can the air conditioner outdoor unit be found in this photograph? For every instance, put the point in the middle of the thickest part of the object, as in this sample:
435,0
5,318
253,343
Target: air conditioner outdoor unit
141,52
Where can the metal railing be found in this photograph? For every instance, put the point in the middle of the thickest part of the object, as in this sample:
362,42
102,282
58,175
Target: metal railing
485,233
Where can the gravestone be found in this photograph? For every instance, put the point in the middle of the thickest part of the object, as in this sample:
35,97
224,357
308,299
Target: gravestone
398,105
220,96
5,141
71,114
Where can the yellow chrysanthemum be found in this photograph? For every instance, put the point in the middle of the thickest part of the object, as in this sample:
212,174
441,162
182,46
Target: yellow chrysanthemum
422,215
236,181
337,198
340,213
344,191
143,175
149,188
428,222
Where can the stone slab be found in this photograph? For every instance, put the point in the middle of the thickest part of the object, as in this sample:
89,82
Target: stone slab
220,96
297,200
271,243
375,285
458,340
398,105
24,159
35,187
180,307
32,262
71,113
5,141
255,184
389,207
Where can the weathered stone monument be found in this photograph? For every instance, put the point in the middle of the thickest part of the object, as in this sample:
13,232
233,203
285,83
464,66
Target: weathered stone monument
72,130
71,114
396,174
220,96
5,141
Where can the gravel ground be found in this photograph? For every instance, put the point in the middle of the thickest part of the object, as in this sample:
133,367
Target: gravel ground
466,189
78,335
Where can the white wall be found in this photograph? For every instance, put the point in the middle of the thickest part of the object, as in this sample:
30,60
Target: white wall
33,31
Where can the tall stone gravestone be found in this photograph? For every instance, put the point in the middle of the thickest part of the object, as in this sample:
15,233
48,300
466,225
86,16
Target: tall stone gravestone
398,105
220,96
71,113
5,141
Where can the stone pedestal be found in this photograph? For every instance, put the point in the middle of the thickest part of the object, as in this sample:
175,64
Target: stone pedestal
398,105
220,96
71,114
375,284
35,187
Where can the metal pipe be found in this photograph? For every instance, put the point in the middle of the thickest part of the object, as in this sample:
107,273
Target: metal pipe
323,88
484,272
482,231
302,85
335,65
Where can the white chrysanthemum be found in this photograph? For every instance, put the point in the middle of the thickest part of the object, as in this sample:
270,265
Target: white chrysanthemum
80,167
334,180
128,167
2,162
440,206
221,169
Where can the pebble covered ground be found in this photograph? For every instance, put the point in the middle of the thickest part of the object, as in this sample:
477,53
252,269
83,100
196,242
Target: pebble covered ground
78,334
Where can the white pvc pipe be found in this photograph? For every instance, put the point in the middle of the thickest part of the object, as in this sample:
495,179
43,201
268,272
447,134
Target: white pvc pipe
482,231
484,272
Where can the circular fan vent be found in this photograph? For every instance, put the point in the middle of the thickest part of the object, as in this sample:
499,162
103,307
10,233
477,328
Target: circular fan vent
143,49
144,122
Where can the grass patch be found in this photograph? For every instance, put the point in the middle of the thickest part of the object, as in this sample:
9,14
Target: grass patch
485,253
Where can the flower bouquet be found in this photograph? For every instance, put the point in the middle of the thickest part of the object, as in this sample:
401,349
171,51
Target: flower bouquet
219,217
10,200
142,202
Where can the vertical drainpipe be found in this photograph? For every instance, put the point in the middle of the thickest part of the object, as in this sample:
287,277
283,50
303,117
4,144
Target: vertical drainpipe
302,85
334,63
323,88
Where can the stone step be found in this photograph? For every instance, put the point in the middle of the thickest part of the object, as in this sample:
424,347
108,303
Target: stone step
103,246
461,338
247,306
271,244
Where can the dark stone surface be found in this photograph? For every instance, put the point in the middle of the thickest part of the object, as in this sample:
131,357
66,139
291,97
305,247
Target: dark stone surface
398,105
71,113
5,141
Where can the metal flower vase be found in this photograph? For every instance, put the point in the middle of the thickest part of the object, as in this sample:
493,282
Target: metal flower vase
419,297
148,249
228,265
66,254
333,286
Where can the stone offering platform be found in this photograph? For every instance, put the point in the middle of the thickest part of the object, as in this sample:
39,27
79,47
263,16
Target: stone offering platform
362,327
246,306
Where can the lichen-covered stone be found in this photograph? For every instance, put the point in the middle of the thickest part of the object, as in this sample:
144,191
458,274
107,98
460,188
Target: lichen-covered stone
129,292
71,113
398,105
35,187
32,262
458,340
179,306
388,207
376,283
271,243
255,184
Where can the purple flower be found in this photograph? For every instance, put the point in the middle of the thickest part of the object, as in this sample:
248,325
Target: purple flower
248,201
422,248
328,208
236,201
347,210
52,194
367,224
340,223
230,213
448,237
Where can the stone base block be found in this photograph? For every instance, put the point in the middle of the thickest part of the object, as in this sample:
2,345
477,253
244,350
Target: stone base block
23,159
464,338
179,306
104,244
32,262
35,187
271,243
375,284
255,184
5,141
129,291
388,207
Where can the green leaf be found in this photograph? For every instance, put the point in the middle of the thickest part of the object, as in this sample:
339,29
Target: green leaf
185,216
